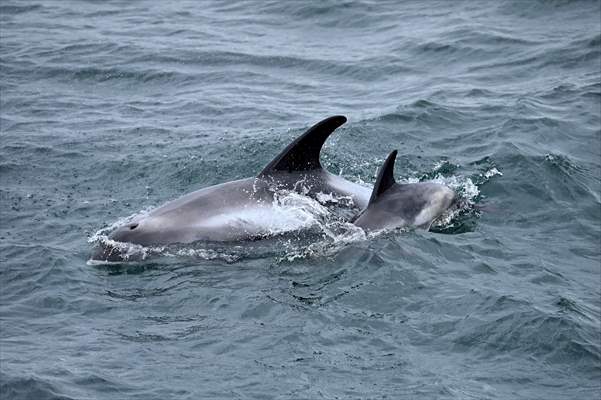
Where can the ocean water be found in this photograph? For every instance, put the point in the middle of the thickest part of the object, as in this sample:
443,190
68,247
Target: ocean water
108,109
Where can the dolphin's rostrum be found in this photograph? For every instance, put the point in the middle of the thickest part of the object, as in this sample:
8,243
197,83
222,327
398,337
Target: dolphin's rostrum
242,209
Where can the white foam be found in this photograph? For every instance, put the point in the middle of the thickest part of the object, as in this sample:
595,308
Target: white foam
492,172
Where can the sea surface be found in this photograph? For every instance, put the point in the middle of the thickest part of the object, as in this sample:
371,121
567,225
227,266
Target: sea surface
110,108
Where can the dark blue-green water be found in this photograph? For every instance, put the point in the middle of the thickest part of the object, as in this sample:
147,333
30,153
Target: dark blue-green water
109,108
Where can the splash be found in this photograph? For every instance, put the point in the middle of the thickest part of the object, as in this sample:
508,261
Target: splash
129,251
461,217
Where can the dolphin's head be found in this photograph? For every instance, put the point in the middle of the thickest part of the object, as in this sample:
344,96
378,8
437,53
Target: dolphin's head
431,201
123,242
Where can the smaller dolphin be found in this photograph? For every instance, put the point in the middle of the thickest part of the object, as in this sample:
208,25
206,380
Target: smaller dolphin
395,205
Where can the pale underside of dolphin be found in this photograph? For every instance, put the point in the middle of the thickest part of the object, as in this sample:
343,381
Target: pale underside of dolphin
244,209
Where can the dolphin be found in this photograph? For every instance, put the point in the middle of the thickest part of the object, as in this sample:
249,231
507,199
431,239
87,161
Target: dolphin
242,209
245,209
394,205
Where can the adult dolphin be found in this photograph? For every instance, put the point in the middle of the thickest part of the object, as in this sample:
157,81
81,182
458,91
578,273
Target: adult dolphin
242,209
395,205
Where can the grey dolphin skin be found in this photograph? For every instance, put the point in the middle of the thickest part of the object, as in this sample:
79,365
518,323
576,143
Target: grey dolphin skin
242,209
394,205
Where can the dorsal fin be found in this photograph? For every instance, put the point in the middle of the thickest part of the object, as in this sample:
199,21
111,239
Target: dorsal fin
385,178
303,153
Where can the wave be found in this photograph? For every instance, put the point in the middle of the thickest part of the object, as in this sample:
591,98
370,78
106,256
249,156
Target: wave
517,326
26,388
198,67
18,9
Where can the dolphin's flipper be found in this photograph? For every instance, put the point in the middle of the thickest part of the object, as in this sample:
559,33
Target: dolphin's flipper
385,179
303,153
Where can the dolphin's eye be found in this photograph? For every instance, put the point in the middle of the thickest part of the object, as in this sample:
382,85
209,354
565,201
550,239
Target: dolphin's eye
133,226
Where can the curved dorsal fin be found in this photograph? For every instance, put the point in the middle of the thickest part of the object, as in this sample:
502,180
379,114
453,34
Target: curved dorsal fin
303,153
385,177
